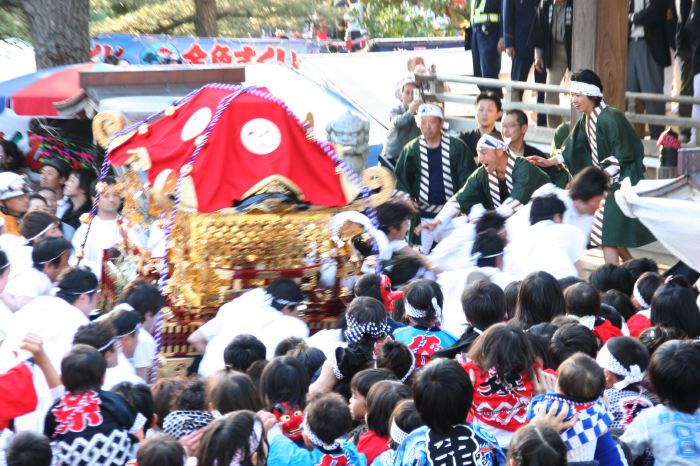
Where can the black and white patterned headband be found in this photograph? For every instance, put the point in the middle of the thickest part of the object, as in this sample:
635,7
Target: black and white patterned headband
355,330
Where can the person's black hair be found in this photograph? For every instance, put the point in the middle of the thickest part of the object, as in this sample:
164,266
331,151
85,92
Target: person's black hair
637,267
328,416
620,302
381,401
365,310
164,391
492,96
232,391
85,179
674,372
255,372
612,277
139,397
589,77
126,322
13,153
161,450
582,300
108,181
403,268
83,369
539,336
546,208
483,304
580,378
629,352
540,299
443,394
4,262
566,282
98,334
76,282
243,351
657,335
191,396
588,183
284,289
363,381
534,445
311,358
392,214
369,285
510,294
144,297
489,245
406,417
571,339
505,348
609,313
420,295
647,284
223,438
519,115
29,448
675,306
49,251
286,345
398,358
490,219
284,379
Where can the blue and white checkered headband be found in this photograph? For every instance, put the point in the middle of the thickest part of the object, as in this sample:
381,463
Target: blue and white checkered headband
491,142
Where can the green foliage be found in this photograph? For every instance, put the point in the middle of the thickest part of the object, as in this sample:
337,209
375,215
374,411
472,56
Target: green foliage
404,18
12,23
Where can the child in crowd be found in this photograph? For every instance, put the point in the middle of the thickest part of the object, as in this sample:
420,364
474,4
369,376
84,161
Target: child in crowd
404,420
326,420
503,364
672,429
655,336
87,423
379,287
29,448
396,357
443,397
232,391
160,450
536,446
642,294
569,339
139,397
164,391
423,308
243,351
583,302
624,361
283,387
359,388
381,401
189,412
676,306
580,385
237,438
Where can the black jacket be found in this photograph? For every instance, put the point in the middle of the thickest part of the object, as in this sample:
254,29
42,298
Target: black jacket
653,19
541,33
692,27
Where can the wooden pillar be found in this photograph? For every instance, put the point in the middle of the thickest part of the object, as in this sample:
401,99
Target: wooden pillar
600,33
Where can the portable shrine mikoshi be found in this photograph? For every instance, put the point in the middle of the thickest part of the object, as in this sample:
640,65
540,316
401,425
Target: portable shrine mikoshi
230,190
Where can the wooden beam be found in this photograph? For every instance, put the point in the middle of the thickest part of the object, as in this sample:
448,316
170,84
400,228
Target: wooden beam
163,75
600,33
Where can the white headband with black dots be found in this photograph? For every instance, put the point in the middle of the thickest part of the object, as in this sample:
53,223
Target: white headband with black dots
591,90
355,330
313,438
606,360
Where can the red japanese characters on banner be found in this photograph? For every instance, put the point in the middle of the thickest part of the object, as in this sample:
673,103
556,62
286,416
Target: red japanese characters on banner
77,411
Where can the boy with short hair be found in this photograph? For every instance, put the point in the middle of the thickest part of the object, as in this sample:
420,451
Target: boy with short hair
671,430
89,426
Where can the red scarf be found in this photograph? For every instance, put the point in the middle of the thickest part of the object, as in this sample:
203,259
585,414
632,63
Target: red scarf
498,402
372,445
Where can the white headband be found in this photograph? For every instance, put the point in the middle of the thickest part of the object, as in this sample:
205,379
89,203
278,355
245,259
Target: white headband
491,142
410,369
253,444
606,360
477,255
429,110
638,296
411,311
591,90
313,438
42,232
396,433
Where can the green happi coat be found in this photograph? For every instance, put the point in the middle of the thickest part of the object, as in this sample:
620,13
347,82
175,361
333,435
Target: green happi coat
607,140
408,168
526,178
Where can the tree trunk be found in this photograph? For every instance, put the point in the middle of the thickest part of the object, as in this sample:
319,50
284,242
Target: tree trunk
205,18
60,31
